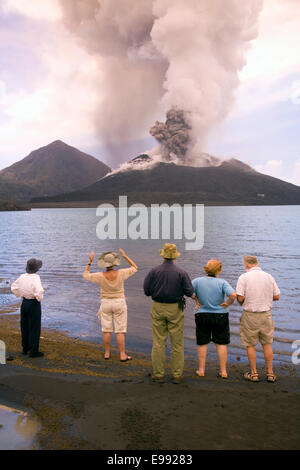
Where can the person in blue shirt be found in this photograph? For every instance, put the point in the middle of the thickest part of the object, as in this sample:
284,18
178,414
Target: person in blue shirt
211,315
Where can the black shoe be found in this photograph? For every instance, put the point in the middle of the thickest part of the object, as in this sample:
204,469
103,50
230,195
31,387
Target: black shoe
38,354
24,352
158,379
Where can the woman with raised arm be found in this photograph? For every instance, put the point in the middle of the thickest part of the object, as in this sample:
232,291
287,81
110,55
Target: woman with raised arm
113,308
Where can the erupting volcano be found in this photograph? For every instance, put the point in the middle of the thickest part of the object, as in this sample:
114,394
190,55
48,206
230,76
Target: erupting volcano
173,58
173,135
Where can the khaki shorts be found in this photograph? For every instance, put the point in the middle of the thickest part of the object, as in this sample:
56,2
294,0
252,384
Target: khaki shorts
256,327
113,315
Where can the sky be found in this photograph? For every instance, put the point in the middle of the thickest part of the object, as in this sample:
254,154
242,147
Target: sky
49,85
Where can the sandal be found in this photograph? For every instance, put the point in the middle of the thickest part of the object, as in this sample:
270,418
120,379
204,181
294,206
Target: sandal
251,377
271,378
198,373
107,358
128,358
222,376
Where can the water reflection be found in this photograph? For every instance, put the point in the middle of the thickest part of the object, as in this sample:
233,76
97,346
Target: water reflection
17,429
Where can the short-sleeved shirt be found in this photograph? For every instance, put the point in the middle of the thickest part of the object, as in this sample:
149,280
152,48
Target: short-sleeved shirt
210,292
111,289
258,288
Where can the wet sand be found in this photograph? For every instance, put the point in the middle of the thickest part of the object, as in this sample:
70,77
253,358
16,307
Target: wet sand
84,402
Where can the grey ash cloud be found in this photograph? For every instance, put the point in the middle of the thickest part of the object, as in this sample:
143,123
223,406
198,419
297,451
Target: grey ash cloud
173,135
164,57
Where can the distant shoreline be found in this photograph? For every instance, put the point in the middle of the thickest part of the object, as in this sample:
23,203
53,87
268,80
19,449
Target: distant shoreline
95,204
10,206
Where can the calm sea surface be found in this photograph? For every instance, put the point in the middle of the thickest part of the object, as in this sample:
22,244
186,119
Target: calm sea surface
63,238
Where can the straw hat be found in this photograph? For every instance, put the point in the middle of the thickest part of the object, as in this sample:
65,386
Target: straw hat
169,251
109,259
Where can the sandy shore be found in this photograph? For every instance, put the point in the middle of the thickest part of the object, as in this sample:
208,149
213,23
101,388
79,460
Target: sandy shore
84,402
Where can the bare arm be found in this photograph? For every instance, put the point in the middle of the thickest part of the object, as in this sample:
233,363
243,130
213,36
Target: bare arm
92,277
276,297
132,263
87,268
194,297
240,299
229,301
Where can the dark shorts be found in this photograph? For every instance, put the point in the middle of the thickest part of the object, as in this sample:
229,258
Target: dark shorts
212,327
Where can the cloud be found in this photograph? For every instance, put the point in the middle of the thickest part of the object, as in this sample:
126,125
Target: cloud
296,174
54,97
48,10
295,92
275,52
271,167
273,57
263,126
50,86
162,55
276,169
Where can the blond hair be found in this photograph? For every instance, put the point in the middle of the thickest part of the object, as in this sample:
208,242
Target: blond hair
250,259
213,266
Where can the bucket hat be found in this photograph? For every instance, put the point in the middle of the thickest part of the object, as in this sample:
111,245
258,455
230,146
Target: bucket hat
109,259
33,265
169,251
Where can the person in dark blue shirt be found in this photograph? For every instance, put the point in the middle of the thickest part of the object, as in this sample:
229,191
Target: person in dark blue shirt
167,284
211,316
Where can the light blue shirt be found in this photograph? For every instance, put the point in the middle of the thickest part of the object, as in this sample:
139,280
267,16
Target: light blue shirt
210,292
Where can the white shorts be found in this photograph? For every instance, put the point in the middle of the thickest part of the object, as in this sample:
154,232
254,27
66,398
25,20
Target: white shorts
113,315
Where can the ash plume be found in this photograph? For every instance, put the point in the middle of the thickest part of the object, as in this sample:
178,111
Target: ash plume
173,135
158,57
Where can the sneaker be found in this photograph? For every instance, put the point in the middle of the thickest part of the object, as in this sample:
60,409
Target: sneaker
38,354
177,380
157,379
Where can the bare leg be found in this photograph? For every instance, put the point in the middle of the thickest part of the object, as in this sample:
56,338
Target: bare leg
252,358
121,344
222,355
106,341
202,350
268,353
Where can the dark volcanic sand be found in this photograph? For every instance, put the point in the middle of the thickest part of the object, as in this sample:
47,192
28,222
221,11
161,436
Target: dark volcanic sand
84,402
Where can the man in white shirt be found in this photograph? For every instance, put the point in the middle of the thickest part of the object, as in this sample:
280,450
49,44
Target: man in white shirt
256,291
29,287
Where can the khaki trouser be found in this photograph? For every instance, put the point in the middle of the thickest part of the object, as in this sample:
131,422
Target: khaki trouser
167,319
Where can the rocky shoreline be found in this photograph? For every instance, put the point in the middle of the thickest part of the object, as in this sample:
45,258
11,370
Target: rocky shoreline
85,402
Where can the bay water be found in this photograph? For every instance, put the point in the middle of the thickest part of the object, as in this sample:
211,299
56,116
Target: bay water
63,238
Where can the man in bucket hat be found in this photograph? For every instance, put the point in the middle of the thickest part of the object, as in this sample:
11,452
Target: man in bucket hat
29,287
167,284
